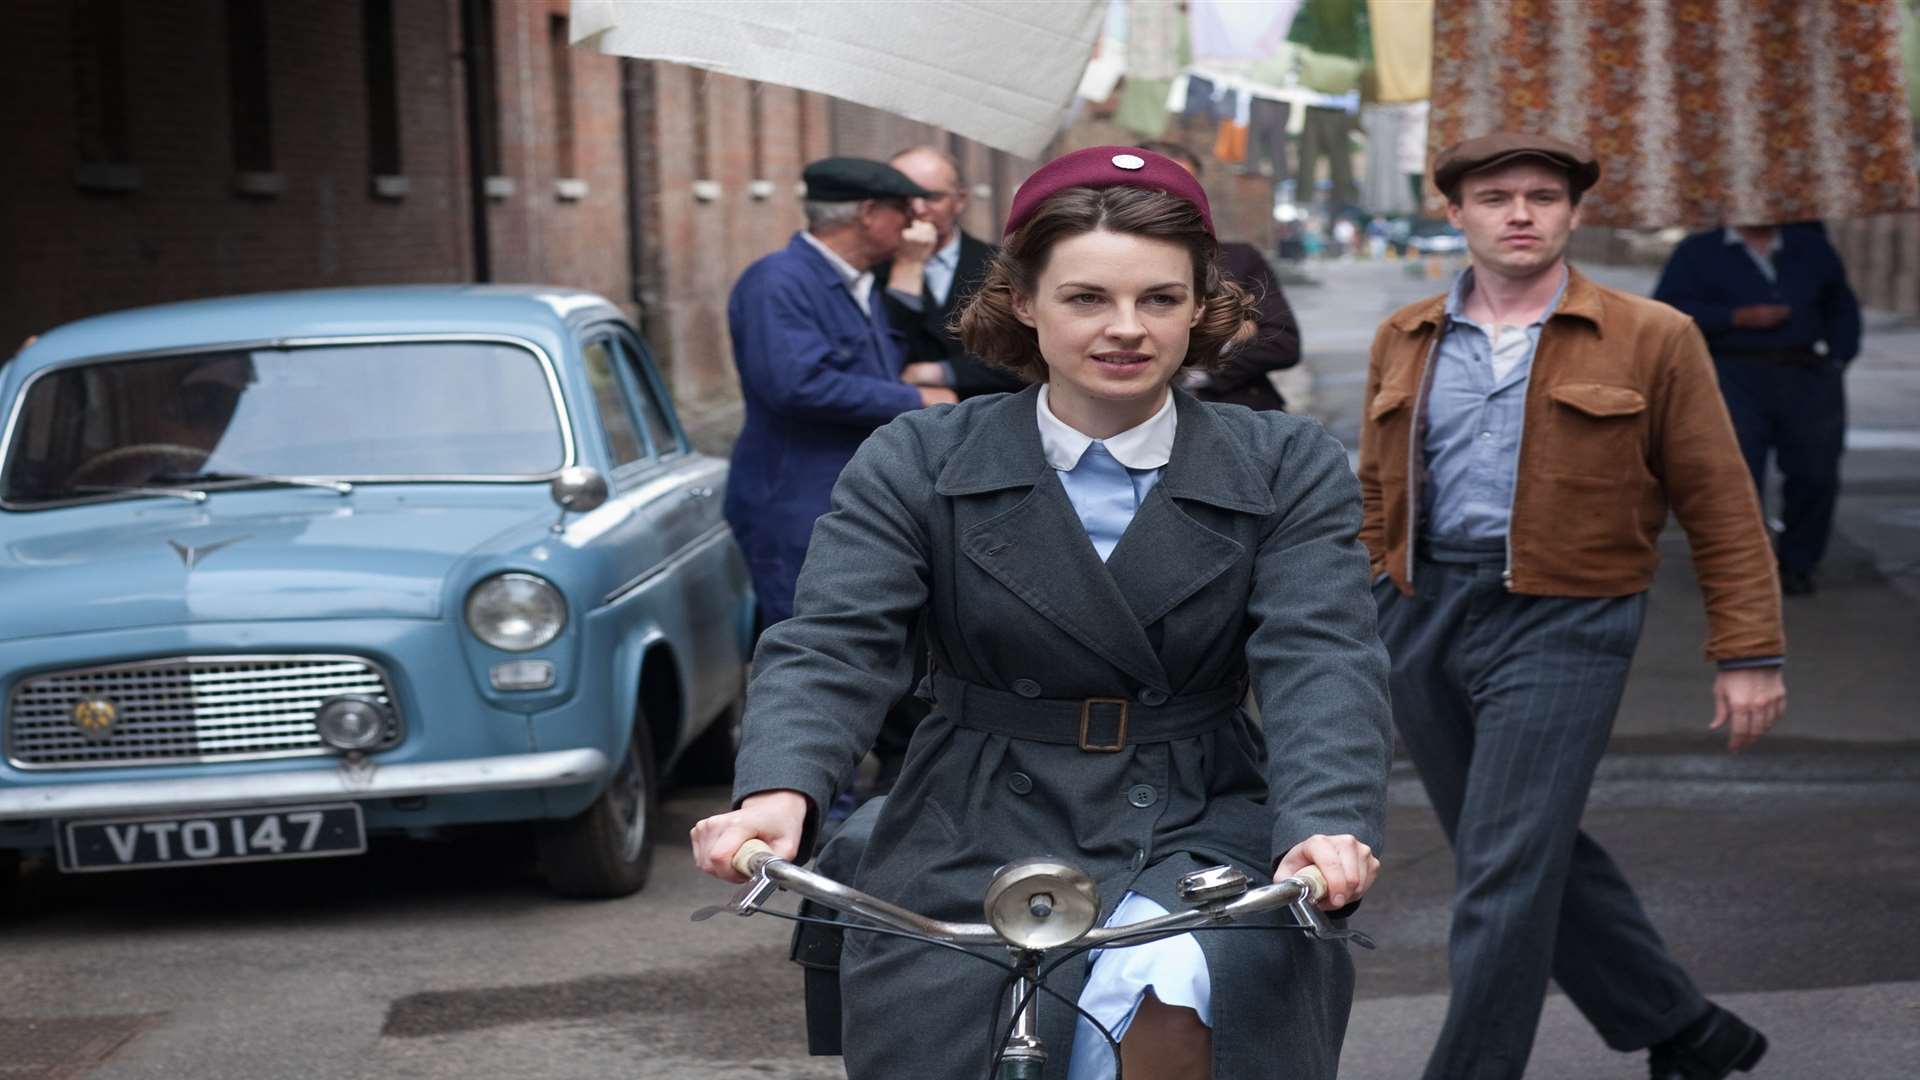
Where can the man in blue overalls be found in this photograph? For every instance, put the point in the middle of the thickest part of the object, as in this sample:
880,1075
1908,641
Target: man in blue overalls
819,366
1782,324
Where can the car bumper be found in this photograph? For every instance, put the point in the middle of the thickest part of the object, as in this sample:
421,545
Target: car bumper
511,772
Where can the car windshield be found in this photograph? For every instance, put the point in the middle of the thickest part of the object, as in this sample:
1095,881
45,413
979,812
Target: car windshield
467,410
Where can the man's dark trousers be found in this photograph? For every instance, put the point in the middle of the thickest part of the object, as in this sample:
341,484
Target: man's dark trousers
1799,411
1505,703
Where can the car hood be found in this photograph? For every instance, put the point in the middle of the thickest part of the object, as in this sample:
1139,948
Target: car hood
243,556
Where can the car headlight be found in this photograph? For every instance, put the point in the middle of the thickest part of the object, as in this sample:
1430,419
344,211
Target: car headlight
516,612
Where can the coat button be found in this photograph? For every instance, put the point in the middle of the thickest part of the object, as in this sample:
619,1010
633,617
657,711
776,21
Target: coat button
1139,858
1141,795
1026,688
1150,697
1019,783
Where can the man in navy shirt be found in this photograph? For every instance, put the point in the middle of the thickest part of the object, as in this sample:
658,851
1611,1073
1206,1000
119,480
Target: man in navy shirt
1782,324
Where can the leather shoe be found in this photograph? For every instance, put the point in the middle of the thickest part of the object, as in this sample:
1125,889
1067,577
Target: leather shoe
1795,583
1710,1048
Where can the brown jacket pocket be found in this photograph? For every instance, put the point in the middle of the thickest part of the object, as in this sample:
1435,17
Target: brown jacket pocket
1599,400
1385,402
1596,431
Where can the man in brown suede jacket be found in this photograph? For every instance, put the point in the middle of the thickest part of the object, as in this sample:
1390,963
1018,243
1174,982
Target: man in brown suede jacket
1525,437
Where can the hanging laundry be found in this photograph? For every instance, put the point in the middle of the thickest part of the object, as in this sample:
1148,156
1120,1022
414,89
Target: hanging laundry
1239,29
1267,140
1383,187
1143,106
1689,128
1402,48
1230,144
1155,34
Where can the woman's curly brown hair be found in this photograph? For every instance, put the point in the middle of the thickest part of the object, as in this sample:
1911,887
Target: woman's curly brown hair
992,331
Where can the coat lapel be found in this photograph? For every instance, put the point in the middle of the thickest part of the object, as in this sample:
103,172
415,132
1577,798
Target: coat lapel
1036,546
1166,555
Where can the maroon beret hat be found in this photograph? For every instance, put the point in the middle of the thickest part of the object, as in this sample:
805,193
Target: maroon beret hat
1500,147
1105,167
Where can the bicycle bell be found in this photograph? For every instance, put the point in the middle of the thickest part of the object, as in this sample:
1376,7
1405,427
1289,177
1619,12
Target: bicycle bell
1213,883
1042,903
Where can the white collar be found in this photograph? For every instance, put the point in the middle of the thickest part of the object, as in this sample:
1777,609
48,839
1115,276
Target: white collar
859,282
847,270
1146,446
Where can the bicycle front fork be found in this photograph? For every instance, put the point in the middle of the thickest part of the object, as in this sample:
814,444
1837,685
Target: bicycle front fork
1025,1056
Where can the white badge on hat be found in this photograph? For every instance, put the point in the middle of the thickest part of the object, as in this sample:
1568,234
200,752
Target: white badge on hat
1129,161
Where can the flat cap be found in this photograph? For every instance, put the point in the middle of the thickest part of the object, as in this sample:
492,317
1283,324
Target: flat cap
1105,167
1501,147
850,179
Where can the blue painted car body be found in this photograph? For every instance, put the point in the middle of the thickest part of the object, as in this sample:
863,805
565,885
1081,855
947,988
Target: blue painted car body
658,605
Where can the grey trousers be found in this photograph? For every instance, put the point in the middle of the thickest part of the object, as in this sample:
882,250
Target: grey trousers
1505,704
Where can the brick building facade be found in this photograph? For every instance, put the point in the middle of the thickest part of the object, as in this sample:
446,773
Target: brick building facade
212,147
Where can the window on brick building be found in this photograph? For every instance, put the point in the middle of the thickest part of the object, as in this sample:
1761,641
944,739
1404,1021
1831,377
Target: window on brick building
103,145
756,129
801,104
702,144
383,99
560,66
483,84
100,81
248,86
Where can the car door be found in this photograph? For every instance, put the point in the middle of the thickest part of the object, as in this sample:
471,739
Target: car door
678,550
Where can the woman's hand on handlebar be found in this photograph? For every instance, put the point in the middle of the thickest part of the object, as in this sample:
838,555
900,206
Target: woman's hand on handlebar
777,817
1348,865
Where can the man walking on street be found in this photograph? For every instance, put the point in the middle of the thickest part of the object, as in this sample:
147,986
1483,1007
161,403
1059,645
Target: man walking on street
1511,580
938,266
819,366
1774,304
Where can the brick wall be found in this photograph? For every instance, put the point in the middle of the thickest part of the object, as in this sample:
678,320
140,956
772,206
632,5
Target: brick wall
703,208
184,231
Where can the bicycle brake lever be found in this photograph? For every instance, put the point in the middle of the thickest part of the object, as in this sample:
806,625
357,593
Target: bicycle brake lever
1316,924
748,900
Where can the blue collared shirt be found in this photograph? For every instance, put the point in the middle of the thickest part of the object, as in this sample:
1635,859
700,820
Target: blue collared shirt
937,278
1475,410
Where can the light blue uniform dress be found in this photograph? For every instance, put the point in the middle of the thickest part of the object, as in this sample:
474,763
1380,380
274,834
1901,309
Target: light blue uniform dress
1105,481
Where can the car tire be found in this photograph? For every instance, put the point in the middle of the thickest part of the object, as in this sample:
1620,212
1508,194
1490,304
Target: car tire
710,759
607,850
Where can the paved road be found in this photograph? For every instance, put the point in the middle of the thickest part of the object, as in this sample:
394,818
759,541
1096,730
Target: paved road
1791,899
1787,878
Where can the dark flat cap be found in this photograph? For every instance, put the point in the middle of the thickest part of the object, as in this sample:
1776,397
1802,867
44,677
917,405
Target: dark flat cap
1501,147
850,179
1105,167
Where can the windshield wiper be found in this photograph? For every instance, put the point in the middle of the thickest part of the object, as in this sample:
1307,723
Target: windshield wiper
190,494
236,480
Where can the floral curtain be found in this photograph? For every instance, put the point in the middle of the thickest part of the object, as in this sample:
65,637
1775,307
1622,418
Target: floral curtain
1701,111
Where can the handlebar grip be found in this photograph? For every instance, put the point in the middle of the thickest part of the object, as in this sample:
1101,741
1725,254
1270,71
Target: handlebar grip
1316,882
746,860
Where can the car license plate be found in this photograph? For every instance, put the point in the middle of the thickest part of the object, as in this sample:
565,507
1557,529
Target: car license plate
294,832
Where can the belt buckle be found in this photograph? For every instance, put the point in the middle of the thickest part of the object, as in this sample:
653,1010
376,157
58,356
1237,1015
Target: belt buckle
1120,736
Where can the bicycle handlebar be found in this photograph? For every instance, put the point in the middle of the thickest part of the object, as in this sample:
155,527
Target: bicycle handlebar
754,859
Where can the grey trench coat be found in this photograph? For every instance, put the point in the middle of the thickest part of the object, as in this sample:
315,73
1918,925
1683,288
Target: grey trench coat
1241,563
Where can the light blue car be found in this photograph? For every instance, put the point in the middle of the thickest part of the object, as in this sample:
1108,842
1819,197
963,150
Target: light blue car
281,571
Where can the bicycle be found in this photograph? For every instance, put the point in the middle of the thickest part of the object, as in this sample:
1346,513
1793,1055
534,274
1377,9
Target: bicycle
1035,907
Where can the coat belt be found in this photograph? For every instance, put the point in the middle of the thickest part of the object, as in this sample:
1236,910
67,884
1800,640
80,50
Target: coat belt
1099,725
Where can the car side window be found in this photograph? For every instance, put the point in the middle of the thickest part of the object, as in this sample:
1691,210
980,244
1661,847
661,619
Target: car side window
624,443
647,405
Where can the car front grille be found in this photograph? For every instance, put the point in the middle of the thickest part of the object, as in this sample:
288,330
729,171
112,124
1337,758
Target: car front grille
184,709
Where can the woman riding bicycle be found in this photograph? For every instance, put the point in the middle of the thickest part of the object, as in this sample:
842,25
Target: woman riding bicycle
1105,565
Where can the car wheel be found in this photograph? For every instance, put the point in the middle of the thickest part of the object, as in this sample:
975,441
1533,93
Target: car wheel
607,850
710,759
